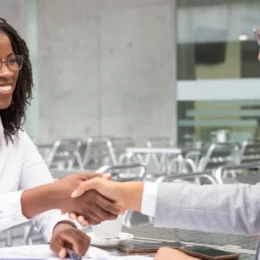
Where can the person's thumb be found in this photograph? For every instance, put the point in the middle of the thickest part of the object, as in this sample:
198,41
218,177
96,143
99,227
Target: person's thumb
58,248
91,184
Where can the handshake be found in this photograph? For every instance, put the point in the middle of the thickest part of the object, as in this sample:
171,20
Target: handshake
92,198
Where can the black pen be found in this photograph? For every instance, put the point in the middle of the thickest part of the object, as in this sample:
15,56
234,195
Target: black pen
73,255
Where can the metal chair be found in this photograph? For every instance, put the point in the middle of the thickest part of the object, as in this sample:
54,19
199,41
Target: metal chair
13,236
31,235
198,178
195,156
161,161
117,147
250,152
45,150
219,154
243,173
97,152
129,175
181,165
130,158
65,155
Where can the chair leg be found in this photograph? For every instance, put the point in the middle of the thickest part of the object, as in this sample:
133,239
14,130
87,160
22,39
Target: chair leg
127,218
9,240
28,229
151,220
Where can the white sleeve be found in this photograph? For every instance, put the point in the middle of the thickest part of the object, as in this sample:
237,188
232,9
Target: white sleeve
35,173
10,210
149,199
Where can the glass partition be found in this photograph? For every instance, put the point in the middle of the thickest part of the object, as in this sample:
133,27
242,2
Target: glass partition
218,70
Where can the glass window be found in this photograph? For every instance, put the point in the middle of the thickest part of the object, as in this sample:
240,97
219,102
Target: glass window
218,70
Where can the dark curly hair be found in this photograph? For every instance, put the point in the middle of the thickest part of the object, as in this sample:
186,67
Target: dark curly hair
14,116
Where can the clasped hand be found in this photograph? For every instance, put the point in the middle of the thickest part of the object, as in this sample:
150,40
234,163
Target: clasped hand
112,191
120,195
92,207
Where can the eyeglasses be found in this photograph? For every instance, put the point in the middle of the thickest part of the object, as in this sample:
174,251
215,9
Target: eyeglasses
256,30
14,63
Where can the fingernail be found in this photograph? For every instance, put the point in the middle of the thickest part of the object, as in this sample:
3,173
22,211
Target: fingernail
106,175
74,193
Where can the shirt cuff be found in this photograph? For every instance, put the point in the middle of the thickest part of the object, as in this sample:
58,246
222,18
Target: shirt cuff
11,208
149,199
57,217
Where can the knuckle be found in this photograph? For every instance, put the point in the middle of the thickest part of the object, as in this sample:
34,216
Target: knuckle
111,207
114,216
116,209
94,222
79,235
111,216
91,220
103,215
100,202
88,220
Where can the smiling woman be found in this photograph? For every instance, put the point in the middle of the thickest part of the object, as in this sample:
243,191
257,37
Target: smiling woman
9,71
27,190
16,87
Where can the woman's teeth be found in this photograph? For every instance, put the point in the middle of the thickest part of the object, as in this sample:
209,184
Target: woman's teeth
5,88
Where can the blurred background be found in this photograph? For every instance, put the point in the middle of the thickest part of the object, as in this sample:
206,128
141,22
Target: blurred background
140,68
142,73
165,86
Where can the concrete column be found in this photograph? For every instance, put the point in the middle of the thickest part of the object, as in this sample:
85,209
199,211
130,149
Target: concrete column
31,37
174,71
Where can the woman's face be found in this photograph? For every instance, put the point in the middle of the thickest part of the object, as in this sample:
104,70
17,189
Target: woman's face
8,78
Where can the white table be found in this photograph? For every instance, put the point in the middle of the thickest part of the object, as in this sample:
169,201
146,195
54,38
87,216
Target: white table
157,155
146,150
44,252
27,251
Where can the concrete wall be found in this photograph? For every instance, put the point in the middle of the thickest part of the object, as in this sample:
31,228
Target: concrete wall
12,11
106,67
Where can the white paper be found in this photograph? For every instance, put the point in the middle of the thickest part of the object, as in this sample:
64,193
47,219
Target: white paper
44,252
134,257
95,253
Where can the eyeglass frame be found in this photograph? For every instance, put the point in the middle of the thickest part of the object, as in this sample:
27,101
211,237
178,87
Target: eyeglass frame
6,62
256,31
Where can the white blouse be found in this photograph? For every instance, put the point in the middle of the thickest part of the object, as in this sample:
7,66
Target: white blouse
21,168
